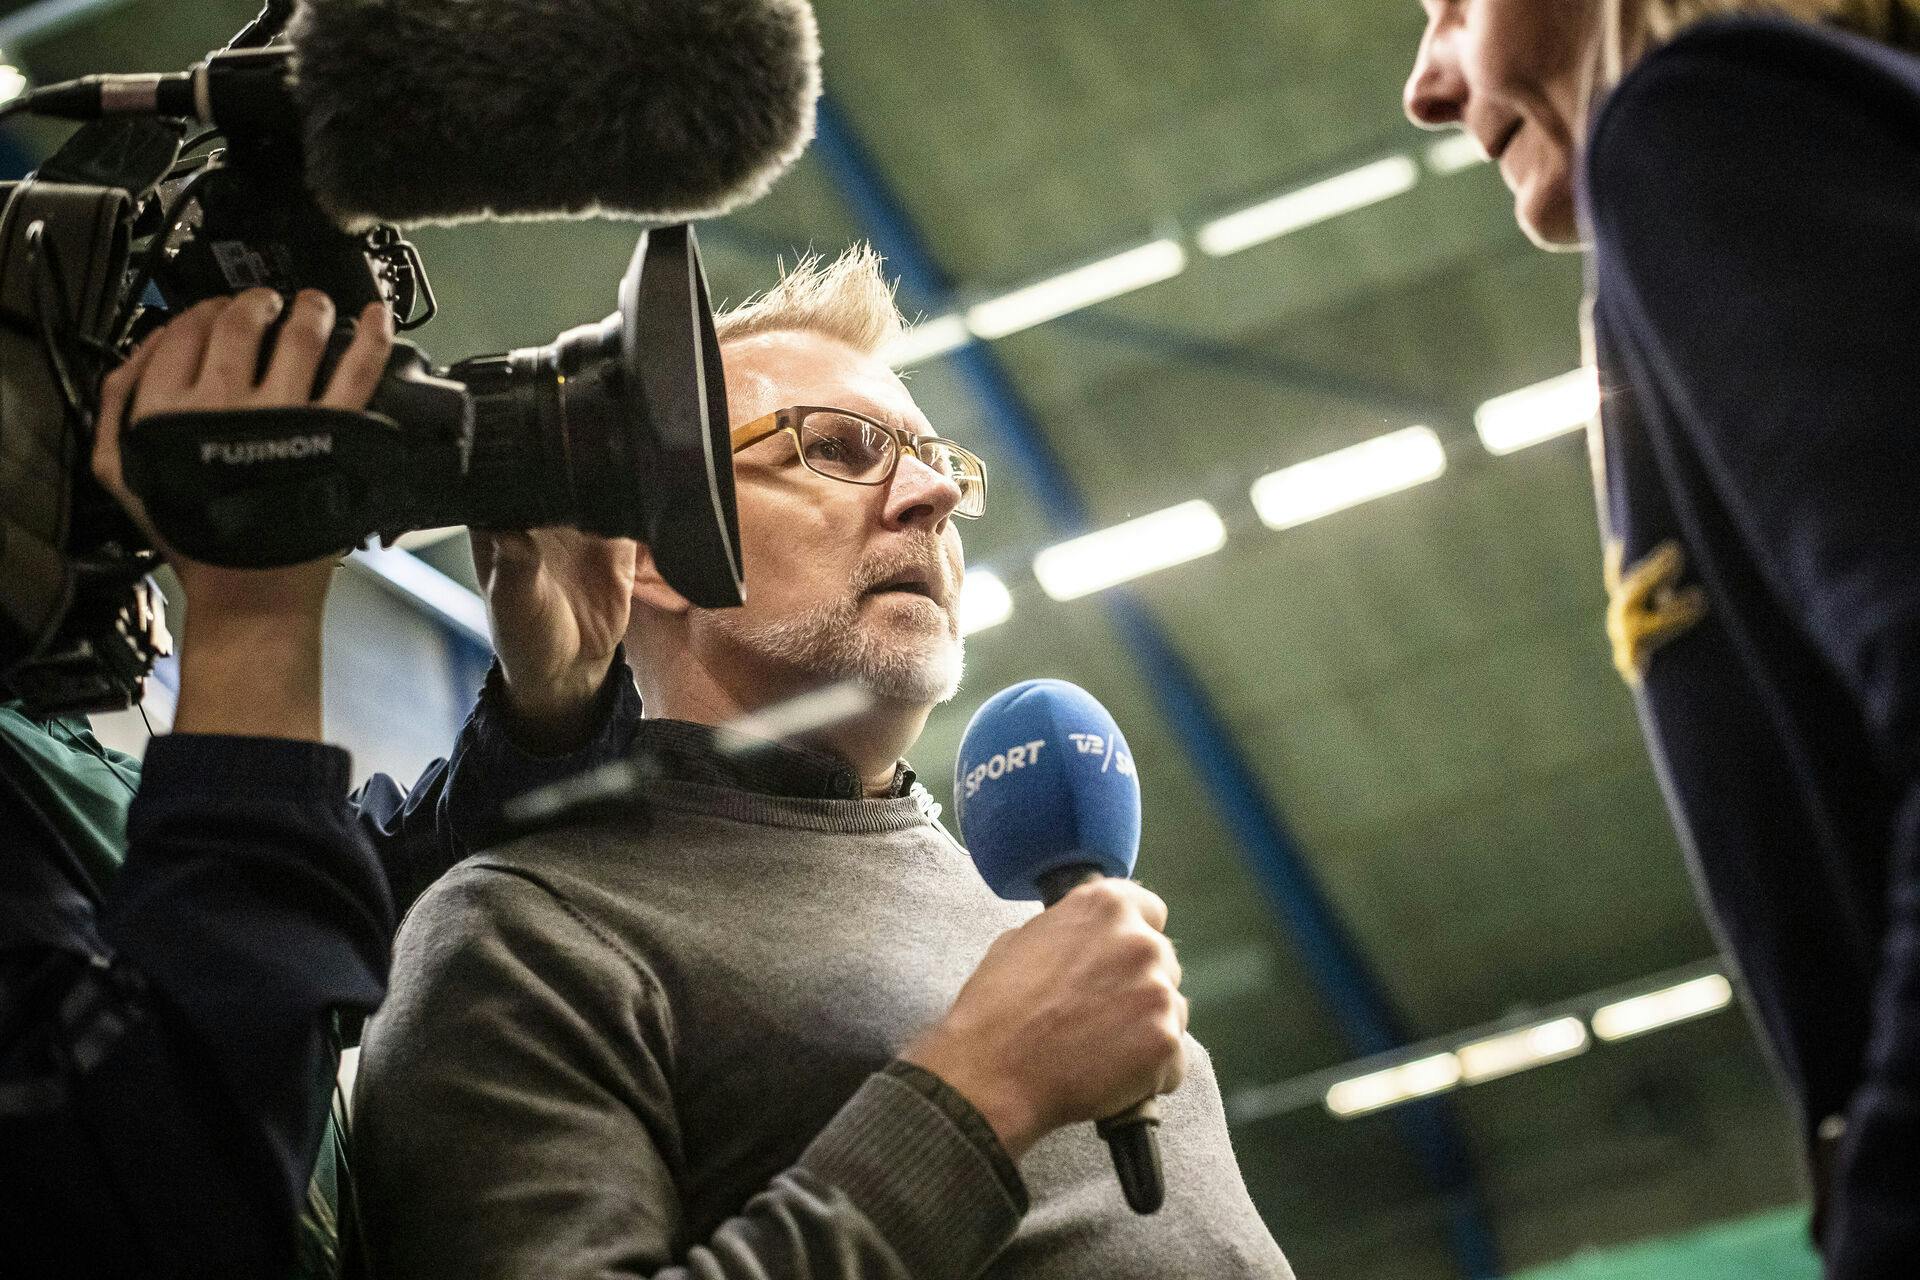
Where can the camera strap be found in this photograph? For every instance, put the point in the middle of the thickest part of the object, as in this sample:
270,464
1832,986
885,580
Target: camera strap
256,488
83,234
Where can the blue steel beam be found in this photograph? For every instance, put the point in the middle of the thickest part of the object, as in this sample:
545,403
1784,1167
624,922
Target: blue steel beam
1356,997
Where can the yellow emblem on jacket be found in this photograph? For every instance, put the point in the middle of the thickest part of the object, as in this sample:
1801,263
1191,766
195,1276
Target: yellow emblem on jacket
1647,606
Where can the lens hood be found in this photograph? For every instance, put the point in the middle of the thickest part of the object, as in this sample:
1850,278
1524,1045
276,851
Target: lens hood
677,411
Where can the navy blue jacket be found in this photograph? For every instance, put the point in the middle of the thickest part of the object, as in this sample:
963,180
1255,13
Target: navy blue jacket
166,1044
1753,194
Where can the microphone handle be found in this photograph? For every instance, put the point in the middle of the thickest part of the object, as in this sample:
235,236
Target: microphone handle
1131,1135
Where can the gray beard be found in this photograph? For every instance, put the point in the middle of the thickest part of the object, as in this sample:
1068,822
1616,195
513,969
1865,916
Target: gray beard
829,643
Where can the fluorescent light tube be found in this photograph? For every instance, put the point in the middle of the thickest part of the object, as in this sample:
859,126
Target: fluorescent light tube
1271,219
1081,287
1403,1083
1503,1055
1454,153
926,340
790,721
1662,1008
415,539
984,601
1112,556
1539,412
1386,464
13,82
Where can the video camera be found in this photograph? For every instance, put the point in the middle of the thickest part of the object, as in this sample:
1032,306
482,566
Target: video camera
617,427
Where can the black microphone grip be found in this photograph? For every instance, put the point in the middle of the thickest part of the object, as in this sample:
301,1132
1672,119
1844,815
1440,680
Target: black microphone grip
1131,1135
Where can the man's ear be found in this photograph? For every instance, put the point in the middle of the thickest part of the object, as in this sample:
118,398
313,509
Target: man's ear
650,589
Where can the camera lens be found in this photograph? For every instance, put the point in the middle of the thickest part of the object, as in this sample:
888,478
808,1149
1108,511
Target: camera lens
618,428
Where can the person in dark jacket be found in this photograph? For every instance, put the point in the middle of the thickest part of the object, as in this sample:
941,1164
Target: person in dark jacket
1746,180
177,941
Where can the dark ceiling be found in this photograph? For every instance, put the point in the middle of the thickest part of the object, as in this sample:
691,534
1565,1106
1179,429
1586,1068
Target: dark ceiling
1420,686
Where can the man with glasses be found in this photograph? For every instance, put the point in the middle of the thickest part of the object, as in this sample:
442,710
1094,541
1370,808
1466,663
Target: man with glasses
768,1021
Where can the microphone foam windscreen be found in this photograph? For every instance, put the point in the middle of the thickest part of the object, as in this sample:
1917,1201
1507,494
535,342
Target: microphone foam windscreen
1045,779
440,111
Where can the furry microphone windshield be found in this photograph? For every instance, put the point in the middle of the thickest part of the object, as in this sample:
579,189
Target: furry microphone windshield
445,111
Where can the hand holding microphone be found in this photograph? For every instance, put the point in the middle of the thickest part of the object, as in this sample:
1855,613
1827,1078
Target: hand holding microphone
1077,1014
1074,1016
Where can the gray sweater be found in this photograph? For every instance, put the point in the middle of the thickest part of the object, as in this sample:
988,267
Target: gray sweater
660,1046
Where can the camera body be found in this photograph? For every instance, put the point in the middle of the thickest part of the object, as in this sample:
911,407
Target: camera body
616,427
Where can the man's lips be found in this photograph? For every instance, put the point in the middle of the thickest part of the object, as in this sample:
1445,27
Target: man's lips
910,586
908,570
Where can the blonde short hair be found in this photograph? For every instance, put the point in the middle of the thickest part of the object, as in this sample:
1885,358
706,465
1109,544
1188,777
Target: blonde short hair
1634,26
849,298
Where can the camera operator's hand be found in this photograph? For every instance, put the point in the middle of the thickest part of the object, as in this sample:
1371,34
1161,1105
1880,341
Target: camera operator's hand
558,600
250,655
1076,1015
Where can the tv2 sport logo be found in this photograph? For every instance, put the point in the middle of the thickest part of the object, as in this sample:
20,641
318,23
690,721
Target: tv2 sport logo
1095,744
1115,757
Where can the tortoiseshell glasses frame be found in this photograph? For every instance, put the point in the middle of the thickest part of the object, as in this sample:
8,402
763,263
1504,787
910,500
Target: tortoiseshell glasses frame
845,445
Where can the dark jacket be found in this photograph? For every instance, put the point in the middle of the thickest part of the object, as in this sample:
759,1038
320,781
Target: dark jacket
1753,194
167,1038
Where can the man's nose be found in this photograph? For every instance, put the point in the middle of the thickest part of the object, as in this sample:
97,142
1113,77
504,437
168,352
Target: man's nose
1436,92
919,495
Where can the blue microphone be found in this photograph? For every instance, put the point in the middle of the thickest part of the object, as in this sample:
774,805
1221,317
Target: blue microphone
1047,798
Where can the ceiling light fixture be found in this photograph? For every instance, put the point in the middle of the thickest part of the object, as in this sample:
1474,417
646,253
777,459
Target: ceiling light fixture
1455,153
1502,1055
1662,1008
416,540
1271,219
1386,464
927,340
1125,551
1539,412
1493,1050
1072,290
1381,1089
984,601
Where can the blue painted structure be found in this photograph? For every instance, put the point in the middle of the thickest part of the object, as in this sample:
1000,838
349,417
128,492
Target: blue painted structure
1357,999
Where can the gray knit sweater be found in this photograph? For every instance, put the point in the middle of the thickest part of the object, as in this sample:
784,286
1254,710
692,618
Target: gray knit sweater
659,1046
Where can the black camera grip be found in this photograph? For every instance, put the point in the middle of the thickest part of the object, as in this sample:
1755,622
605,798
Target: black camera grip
262,488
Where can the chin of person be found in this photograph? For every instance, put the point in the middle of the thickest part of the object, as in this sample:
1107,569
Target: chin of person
915,611
1545,212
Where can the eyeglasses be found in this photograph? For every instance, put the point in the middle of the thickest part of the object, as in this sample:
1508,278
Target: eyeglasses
843,445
